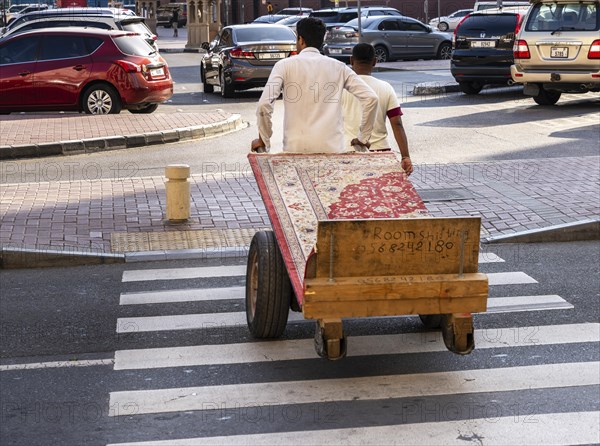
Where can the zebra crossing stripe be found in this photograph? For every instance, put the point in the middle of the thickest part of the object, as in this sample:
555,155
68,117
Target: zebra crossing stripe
489,257
362,388
425,342
526,303
238,318
189,321
534,429
509,278
142,275
183,295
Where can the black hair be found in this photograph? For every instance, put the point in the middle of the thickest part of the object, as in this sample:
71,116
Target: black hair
312,30
363,53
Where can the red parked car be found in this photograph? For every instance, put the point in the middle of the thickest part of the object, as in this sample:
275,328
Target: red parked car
90,70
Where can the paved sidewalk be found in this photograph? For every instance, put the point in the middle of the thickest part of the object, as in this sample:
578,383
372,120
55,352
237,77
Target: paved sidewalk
128,214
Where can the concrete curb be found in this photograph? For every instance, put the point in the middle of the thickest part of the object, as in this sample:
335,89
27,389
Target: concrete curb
569,232
41,258
12,258
428,88
76,147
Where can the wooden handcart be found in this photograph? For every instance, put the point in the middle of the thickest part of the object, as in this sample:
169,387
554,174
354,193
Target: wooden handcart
353,239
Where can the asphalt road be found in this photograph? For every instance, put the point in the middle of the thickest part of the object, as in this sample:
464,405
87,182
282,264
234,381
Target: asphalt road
90,315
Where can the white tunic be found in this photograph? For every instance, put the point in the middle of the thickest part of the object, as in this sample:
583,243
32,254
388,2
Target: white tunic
312,86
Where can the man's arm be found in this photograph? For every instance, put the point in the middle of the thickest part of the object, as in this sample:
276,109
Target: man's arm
368,101
264,110
402,141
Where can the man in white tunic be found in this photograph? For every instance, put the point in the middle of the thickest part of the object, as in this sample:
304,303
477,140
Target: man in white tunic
363,60
312,86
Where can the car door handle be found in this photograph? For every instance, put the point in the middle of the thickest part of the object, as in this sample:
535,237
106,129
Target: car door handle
79,67
24,73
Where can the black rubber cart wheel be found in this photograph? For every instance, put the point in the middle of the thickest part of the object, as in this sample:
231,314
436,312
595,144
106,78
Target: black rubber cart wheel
268,287
431,320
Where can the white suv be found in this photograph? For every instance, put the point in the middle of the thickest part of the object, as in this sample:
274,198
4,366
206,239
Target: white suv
558,49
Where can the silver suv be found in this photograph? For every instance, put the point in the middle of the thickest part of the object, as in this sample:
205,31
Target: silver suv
558,49
103,19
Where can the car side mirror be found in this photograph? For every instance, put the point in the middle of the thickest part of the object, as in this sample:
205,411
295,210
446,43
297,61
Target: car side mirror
205,46
429,29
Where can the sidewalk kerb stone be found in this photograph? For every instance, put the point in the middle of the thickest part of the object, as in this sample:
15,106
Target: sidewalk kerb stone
135,140
187,254
197,132
184,134
73,147
115,142
39,258
20,151
94,145
588,229
50,148
154,138
170,136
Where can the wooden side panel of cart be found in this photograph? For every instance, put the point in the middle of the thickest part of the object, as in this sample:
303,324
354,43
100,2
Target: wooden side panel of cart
393,267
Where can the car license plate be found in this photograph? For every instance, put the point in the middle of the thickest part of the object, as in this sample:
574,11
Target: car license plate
157,72
559,52
335,51
271,55
483,44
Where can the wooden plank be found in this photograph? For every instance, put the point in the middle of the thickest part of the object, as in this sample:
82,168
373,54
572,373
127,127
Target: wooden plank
412,246
316,310
443,286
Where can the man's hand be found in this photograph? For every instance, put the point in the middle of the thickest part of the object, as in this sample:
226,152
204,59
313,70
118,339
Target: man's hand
406,164
258,146
360,146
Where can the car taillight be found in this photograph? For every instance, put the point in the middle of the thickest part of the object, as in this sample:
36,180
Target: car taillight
129,67
594,52
351,35
238,53
521,50
456,29
293,53
519,21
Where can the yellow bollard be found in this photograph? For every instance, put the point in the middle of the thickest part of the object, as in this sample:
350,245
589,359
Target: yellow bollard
178,192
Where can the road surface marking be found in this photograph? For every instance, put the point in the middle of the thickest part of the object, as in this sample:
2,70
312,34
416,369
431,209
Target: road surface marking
184,295
362,388
531,429
141,275
56,364
288,350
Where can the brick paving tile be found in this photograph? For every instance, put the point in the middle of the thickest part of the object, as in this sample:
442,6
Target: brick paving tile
66,214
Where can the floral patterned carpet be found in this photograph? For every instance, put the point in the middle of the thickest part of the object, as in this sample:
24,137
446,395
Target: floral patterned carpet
300,190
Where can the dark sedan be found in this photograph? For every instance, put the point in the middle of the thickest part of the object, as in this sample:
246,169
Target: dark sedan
392,37
242,56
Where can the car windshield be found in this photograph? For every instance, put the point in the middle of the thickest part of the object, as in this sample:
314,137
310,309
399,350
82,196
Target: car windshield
555,17
264,33
133,45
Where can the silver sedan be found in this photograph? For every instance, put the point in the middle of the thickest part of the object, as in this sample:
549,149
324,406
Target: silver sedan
392,37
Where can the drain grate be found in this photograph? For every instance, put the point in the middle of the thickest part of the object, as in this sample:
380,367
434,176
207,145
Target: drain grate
451,194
